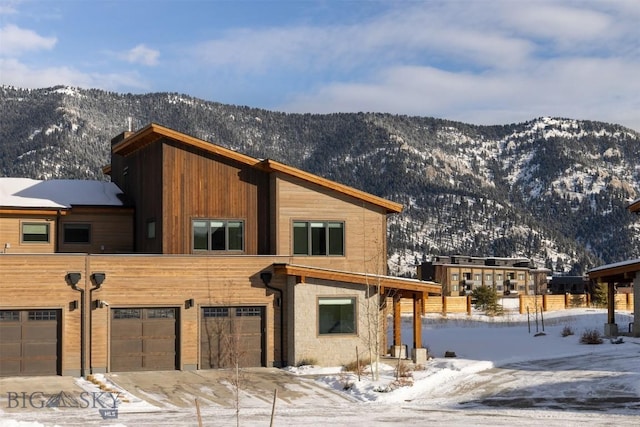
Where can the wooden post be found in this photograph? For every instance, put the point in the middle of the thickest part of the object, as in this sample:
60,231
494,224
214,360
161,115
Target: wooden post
544,303
444,305
417,320
397,326
612,303
469,305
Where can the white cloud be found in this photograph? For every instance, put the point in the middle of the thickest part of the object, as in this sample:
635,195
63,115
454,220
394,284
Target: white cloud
141,54
15,73
15,41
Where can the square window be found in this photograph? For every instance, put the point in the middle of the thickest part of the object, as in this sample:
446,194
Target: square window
35,232
336,316
318,238
218,235
77,233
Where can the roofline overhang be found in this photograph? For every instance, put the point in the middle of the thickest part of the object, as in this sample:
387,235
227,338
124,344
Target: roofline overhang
635,207
387,282
15,210
153,132
615,272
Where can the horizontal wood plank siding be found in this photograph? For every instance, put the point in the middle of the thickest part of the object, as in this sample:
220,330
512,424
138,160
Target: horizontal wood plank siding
365,225
38,282
11,233
110,232
168,281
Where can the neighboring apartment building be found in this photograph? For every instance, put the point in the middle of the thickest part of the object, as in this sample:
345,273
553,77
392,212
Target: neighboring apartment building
193,257
460,275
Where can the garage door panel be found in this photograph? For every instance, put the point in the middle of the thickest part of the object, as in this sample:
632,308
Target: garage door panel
231,334
143,339
9,350
30,342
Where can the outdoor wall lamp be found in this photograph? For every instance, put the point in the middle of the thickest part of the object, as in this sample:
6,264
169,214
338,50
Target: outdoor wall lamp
73,305
98,278
100,304
73,278
188,303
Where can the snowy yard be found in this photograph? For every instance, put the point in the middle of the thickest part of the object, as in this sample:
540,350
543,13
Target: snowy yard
502,375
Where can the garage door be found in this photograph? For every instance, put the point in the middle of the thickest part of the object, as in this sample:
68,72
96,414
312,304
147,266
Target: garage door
30,342
143,339
230,335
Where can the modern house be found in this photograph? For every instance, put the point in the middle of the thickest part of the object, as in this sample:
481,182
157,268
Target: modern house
624,273
460,275
194,256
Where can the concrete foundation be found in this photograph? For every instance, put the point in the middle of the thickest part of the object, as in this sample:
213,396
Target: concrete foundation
399,351
419,356
610,329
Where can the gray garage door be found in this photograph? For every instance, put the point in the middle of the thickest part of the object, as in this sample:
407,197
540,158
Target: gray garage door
230,335
29,342
143,339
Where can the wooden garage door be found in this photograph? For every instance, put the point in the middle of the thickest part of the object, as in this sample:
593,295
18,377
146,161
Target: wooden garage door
29,342
230,335
143,339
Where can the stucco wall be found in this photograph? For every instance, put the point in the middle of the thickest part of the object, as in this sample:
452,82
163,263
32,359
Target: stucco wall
328,350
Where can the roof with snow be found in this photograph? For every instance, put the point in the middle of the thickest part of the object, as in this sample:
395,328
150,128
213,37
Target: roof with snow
57,194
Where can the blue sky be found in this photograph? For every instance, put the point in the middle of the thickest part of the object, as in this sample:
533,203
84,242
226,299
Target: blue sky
477,61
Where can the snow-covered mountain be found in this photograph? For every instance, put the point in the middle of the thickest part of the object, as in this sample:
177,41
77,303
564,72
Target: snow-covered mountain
551,189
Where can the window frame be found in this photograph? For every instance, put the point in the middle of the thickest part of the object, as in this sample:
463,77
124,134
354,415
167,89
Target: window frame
224,224
32,223
76,224
353,304
323,244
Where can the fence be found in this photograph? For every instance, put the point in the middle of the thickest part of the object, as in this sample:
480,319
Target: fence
463,304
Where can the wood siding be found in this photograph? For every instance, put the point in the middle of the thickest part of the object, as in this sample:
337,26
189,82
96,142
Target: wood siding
111,230
204,185
365,225
11,233
168,281
38,282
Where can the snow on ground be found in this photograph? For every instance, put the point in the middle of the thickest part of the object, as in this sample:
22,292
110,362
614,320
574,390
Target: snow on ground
507,371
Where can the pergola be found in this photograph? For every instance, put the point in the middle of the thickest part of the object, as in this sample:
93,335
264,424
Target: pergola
617,273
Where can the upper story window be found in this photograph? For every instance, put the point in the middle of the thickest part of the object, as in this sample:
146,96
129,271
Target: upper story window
218,235
454,277
520,276
76,233
318,238
488,277
35,232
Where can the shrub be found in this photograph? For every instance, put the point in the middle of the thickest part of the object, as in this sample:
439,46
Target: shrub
403,370
567,330
307,361
591,336
356,367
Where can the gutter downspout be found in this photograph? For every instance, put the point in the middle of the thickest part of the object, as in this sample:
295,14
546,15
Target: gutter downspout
266,279
82,329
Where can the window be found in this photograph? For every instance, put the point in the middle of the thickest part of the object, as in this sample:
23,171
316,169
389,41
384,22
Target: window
318,238
520,276
499,276
218,235
454,277
477,277
77,233
488,278
336,316
35,232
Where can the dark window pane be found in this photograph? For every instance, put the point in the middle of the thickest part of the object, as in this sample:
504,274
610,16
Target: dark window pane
35,232
126,313
43,315
200,236
217,236
235,235
9,316
248,311
336,316
336,238
318,239
161,313
300,238
77,233
215,312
